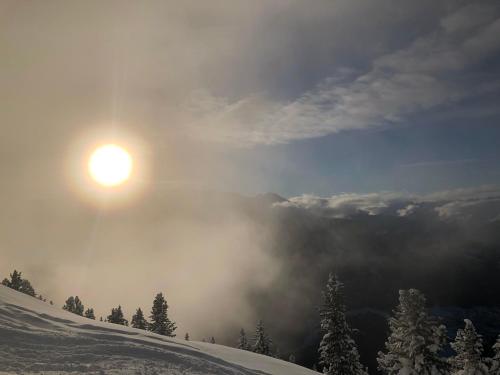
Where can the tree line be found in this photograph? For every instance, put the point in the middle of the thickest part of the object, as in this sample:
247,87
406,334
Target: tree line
159,321
415,345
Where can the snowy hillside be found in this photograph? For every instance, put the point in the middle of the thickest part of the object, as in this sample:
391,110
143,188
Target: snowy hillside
36,337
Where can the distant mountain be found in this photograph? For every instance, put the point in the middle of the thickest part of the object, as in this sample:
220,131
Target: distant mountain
270,198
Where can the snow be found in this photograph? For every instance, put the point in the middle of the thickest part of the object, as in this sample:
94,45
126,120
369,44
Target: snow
37,338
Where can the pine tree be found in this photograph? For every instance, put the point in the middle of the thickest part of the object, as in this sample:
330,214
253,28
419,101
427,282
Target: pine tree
495,361
69,305
138,320
89,313
468,345
186,337
415,339
243,341
338,352
79,308
116,316
160,323
26,288
262,342
74,305
15,280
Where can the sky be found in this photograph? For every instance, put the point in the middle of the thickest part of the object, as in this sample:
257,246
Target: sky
240,96
308,100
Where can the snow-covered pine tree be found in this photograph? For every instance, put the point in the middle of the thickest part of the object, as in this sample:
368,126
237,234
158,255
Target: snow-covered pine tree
160,323
79,308
89,313
243,341
468,345
186,336
116,316
495,361
338,351
69,305
138,320
262,342
415,339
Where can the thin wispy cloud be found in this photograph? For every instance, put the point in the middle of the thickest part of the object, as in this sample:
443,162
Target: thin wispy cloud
432,72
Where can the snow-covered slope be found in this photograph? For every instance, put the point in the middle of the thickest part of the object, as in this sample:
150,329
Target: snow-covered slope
36,337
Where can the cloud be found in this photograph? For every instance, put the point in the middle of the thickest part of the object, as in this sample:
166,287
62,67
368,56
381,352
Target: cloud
482,203
346,204
429,73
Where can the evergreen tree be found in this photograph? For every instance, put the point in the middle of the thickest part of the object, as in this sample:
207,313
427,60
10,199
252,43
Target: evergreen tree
243,341
415,339
138,320
74,305
15,280
338,352
186,337
89,313
495,361
212,340
116,316
262,342
26,288
79,308
69,305
468,345
160,323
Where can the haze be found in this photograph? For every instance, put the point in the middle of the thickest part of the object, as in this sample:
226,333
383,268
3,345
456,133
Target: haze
341,107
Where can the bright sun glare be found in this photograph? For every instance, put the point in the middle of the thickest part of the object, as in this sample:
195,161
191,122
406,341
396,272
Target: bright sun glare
110,165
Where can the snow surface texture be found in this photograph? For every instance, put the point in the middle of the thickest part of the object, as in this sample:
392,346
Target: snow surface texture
37,338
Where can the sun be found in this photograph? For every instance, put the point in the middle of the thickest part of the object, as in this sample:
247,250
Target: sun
110,165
